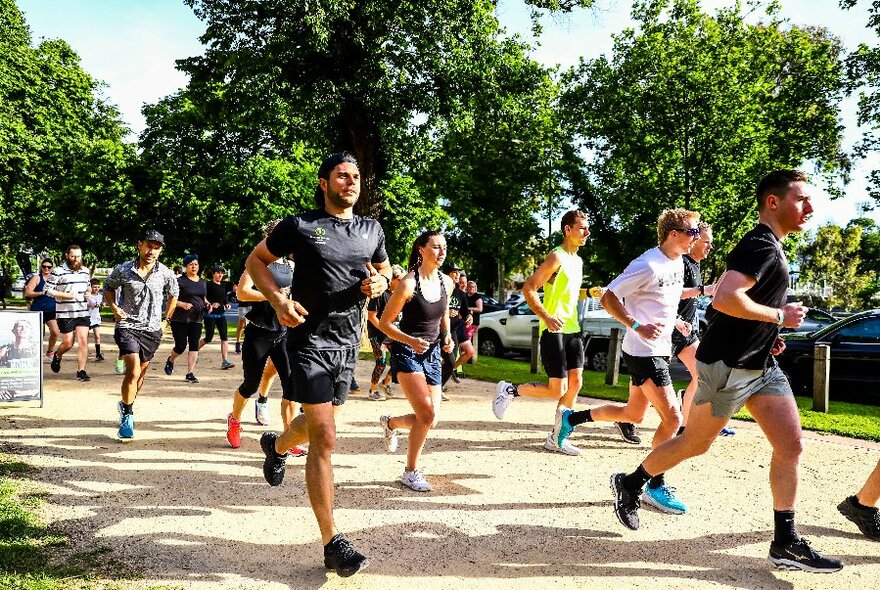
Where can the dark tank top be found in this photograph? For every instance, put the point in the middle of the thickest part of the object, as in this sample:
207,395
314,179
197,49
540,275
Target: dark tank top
420,317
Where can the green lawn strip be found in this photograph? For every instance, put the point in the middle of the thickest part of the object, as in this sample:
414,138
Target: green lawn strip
843,418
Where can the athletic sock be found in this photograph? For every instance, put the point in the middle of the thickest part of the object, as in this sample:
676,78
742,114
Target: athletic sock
262,399
576,418
784,531
512,390
636,480
128,408
98,349
859,506
656,481
680,431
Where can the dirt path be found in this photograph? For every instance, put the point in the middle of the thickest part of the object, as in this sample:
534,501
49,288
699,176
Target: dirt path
186,510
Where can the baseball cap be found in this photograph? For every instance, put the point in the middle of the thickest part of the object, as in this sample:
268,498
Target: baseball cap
152,235
451,267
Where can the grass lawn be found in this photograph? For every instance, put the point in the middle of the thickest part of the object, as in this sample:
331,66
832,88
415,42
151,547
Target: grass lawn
845,419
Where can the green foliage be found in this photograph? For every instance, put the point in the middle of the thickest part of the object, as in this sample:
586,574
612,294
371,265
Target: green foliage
832,258
690,111
407,215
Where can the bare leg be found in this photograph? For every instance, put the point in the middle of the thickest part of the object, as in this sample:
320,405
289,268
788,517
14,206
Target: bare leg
135,371
633,411
82,347
467,351
696,440
66,344
224,350
688,357
53,334
779,419
238,404
870,492
191,358
425,402
575,381
555,389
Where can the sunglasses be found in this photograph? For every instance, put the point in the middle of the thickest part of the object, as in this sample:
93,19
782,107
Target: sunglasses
690,231
46,266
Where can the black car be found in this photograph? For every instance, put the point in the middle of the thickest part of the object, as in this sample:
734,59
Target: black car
855,357
489,304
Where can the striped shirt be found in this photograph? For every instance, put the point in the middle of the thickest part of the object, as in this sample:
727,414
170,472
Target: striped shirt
64,279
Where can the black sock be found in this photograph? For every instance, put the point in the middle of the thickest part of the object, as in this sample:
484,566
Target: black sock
513,390
636,480
128,408
97,349
262,399
680,431
576,418
783,527
656,481
858,505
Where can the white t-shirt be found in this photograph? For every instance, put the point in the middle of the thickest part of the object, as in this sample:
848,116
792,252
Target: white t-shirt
651,286
94,303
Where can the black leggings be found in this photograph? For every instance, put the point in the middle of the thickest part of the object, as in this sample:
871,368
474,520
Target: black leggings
186,333
221,328
259,346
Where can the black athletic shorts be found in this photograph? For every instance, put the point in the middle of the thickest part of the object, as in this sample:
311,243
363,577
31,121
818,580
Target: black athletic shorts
140,342
680,341
68,325
561,353
48,316
319,376
642,368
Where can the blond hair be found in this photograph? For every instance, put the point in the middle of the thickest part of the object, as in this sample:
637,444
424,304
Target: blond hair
673,219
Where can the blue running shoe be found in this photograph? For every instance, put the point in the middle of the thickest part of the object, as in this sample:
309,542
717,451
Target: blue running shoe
663,499
561,427
727,431
126,423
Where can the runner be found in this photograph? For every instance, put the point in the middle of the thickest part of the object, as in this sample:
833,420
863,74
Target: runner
737,368
379,342
652,287
562,347
94,301
146,283
215,315
68,285
340,261
861,509
35,291
186,317
420,300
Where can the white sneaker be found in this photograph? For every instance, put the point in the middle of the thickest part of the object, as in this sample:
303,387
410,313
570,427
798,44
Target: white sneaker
376,396
391,439
415,481
386,389
566,449
261,413
503,397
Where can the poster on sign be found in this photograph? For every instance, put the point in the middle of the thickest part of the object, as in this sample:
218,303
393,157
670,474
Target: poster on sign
21,350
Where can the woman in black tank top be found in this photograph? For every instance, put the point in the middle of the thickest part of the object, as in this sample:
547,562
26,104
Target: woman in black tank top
421,298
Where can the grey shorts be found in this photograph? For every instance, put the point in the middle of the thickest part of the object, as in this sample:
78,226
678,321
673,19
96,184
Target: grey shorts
728,389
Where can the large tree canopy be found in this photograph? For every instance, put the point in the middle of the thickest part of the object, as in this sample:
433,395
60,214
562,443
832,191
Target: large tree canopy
690,110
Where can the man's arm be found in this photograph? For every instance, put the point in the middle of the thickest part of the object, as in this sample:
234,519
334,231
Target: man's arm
290,312
537,280
378,279
731,299
613,306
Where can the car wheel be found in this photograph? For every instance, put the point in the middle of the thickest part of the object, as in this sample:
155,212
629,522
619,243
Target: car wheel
599,360
490,345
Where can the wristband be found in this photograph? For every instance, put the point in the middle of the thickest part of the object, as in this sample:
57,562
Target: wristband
635,325
780,317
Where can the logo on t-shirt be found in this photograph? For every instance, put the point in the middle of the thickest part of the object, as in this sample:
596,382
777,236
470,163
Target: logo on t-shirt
320,236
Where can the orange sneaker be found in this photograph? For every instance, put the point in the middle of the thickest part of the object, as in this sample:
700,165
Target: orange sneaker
299,450
233,431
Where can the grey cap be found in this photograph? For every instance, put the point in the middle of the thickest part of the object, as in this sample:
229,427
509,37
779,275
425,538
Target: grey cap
152,235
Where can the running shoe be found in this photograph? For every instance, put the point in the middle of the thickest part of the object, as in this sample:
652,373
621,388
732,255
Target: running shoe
391,437
443,396
626,503
798,555
233,431
415,481
503,397
455,377
99,357
83,376
238,348
727,431
50,354
126,423
340,556
55,365
191,378
387,389
273,465
663,498
566,448
120,366
169,366
298,451
261,413
376,396
354,385
561,427
628,433
867,518
226,364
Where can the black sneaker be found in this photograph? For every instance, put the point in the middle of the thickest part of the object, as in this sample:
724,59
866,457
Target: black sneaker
191,378
626,503
798,555
867,518
455,377
99,357
169,366
628,433
339,555
55,364
273,466
83,376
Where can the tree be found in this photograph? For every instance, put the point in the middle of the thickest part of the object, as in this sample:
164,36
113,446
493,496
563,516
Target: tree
690,111
832,259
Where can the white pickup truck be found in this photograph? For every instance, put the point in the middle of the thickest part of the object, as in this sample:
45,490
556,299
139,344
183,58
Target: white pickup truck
511,329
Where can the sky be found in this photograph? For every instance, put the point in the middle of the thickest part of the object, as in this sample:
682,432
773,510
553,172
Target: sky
131,45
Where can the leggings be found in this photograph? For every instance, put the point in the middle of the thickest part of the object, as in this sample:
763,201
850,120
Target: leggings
380,353
186,333
220,322
259,346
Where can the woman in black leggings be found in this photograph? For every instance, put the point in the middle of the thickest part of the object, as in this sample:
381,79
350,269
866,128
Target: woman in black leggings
186,321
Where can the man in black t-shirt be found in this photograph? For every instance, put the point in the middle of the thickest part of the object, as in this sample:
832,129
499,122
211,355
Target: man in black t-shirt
340,262
459,319
736,368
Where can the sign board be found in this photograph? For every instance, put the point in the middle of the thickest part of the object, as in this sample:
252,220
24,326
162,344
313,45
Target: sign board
21,355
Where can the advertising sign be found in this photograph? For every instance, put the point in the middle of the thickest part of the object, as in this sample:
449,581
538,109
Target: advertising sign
21,353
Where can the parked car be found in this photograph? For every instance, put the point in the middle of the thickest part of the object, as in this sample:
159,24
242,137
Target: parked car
814,320
855,357
490,305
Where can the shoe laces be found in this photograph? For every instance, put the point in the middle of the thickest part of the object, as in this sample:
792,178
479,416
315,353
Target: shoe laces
803,545
343,549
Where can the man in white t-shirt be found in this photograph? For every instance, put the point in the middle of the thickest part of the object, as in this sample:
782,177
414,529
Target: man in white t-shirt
651,286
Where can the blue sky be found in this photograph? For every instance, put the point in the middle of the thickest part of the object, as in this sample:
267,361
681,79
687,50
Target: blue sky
131,45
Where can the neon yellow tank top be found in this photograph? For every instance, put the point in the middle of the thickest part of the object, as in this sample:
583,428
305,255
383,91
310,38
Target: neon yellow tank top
561,296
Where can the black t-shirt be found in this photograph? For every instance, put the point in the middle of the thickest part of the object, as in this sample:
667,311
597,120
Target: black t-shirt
216,293
458,300
687,308
378,305
190,292
331,256
746,344
472,302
